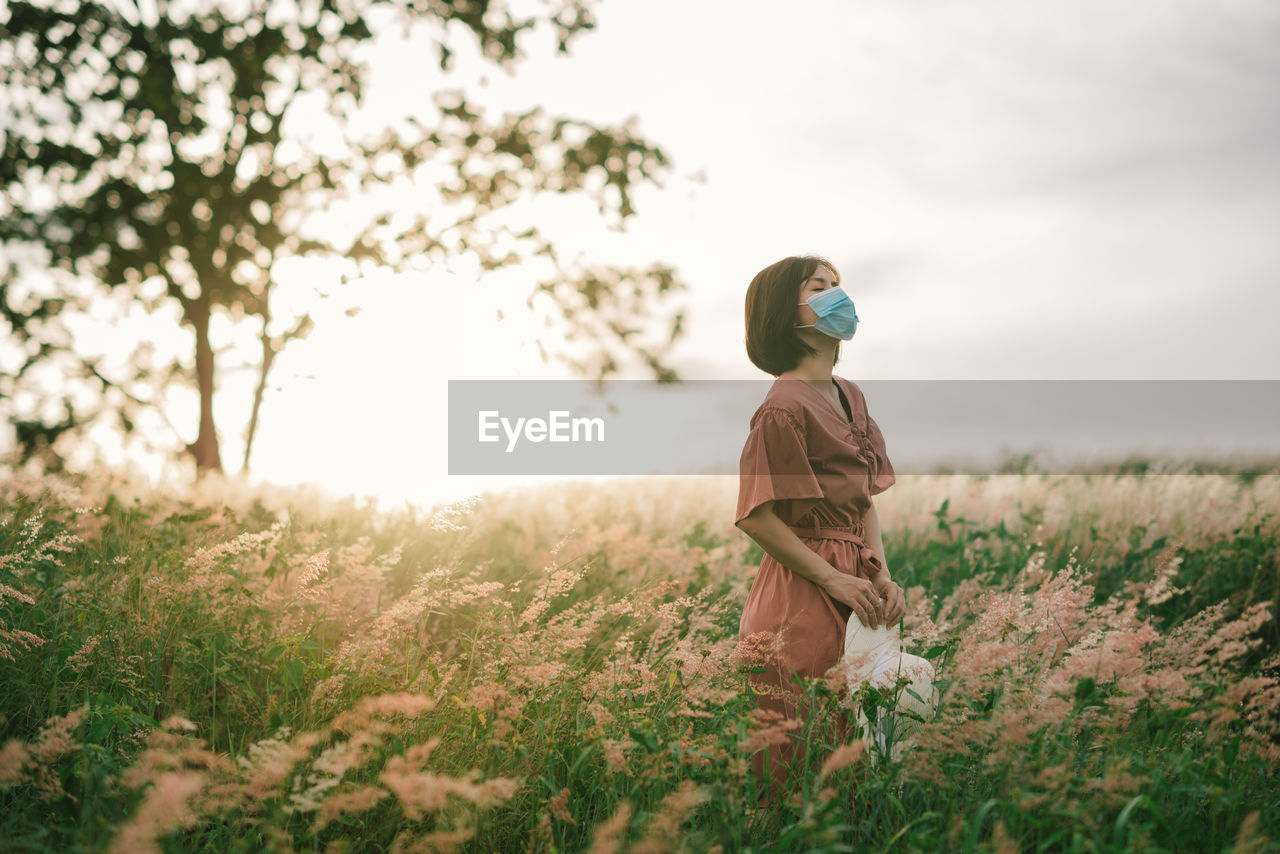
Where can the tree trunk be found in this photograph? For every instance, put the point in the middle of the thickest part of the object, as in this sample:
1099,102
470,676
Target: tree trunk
205,448
268,356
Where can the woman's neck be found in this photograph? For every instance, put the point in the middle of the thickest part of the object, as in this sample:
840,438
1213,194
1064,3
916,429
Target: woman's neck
814,369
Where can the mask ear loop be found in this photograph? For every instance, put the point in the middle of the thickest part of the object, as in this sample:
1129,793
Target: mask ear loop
805,325
815,311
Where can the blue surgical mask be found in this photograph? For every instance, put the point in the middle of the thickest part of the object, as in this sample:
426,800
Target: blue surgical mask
836,316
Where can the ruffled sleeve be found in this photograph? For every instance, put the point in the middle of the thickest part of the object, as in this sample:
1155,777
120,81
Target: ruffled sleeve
883,476
775,467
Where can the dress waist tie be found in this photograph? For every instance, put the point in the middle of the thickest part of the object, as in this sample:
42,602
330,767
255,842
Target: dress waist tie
849,533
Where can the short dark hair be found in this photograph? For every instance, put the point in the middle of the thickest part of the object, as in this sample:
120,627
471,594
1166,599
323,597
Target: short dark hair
773,301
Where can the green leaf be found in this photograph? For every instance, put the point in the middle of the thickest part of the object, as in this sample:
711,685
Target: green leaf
293,672
935,650
646,739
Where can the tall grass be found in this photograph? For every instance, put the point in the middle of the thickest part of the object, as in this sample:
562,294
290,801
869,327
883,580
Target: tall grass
559,670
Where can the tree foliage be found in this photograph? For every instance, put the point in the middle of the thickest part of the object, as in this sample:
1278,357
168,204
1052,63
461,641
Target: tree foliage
148,150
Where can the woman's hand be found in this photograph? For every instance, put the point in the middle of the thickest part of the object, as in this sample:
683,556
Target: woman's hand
860,595
895,602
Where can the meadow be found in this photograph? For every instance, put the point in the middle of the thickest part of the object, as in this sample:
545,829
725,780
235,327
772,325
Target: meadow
217,668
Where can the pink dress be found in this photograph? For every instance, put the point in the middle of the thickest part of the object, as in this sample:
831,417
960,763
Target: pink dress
821,469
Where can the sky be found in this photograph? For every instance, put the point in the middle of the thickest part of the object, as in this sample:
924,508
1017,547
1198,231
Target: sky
1057,190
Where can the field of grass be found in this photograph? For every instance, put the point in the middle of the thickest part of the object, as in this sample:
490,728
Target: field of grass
558,670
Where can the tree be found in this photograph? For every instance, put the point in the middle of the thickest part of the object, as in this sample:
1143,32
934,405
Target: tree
146,151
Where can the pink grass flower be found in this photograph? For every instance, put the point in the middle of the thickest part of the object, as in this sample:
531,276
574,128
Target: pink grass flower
165,806
13,760
607,836
344,803
435,842
1001,842
422,792
316,566
559,806
269,762
615,755
768,727
37,762
842,757
80,659
663,829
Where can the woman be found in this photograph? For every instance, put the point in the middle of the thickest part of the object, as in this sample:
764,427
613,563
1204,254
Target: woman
812,461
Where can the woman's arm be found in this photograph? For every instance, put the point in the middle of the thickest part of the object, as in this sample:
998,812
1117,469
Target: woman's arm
871,524
895,605
782,544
